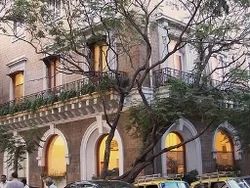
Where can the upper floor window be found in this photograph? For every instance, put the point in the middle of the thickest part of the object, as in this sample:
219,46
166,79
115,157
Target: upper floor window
18,82
55,6
18,31
52,63
178,61
98,55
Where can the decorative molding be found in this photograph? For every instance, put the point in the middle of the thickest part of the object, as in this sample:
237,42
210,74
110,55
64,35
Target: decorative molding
16,61
87,151
193,155
233,134
41,154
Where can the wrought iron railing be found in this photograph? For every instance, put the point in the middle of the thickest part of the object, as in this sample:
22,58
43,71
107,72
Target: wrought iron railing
63,92
161,76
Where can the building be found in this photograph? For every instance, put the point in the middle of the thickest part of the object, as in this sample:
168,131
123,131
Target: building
72,123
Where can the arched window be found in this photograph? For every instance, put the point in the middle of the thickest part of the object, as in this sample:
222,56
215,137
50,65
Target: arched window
113,168
175,157
55,157
224,150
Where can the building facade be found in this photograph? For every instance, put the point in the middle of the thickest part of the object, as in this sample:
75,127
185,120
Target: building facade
73,127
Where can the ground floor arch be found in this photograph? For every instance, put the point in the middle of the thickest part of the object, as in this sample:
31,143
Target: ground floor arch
89,158
191,151
53,155
226,147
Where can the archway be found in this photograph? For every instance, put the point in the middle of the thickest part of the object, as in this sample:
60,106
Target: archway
226,146
224,150
113,168
23,169
89,148
53,144
176,157
55,157
185,130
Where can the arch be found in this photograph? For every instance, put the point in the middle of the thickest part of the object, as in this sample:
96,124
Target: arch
114,156
88,149
41,156
193,158
55,157
24,172
232,133
176,157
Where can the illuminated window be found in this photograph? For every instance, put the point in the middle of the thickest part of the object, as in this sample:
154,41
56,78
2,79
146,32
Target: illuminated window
113,168
224,150
175,157
55,157
52,63
18,81
98,54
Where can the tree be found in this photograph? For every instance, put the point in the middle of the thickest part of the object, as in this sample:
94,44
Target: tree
211,28
16,147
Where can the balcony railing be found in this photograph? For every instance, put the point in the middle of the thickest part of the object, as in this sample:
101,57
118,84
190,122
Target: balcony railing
161,76
64,92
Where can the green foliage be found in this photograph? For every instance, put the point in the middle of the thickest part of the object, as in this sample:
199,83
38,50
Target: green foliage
16,146
104,84
183,101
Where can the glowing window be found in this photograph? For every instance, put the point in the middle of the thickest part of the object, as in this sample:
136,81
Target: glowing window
56,163
224,150
98,55
175,157
18,80
113,168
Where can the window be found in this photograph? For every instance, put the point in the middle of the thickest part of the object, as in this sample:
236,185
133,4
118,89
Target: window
55,157
55,6
98,55
52,63
18,30
201,185
18,82
175,157
152,186
178,62
224,151
113,168
223,66
217,184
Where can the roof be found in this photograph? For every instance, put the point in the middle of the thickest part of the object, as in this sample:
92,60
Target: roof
209,180
156,181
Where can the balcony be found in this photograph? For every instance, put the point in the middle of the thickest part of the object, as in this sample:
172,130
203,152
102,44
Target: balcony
161,76
70,99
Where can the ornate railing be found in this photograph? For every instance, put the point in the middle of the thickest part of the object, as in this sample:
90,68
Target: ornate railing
161,76
63,92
